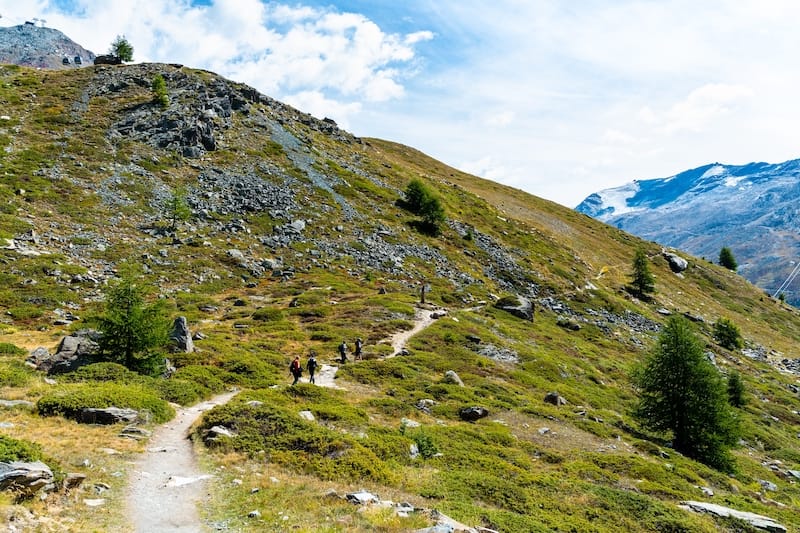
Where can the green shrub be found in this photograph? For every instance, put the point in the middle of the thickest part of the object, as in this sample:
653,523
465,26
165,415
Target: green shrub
181,391
15,374
68,400
104,371
268,314
202,375
727,334
6,348
19,450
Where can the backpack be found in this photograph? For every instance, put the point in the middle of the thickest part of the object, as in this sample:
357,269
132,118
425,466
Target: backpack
312,364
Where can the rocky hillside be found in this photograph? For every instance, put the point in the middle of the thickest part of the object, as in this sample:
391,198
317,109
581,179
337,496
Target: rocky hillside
297,237
749,208
39,47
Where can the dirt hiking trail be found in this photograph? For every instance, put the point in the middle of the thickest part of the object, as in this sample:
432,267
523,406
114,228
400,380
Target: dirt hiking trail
166,484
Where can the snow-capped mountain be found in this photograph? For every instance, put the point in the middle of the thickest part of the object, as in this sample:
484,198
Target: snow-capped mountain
753,209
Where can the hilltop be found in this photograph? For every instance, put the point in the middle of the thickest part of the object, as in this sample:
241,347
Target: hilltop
297,238
39,47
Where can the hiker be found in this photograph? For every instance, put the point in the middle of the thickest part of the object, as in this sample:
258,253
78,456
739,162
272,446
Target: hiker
343,352
311,365
296,370
357,353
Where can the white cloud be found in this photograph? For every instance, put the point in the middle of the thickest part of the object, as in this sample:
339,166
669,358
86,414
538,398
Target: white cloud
700,107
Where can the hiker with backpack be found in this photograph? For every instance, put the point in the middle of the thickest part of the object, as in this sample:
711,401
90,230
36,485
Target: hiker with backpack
357,354
311,365
296,369
343,352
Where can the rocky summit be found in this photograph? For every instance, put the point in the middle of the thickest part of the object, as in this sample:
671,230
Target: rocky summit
750,209
40,47
492,389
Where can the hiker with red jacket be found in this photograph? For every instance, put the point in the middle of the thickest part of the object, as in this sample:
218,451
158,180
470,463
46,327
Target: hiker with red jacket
296,370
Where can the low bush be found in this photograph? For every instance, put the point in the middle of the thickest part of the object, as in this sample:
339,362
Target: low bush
202,375
105,371
15,374
19,450
6,348
181,391
268,314
68,400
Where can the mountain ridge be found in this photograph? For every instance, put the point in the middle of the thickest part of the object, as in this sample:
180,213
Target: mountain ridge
748,208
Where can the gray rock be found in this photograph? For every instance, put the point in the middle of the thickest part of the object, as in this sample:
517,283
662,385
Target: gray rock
73,480
555,399
254,514
181,337
17,403
216,434
307,415
362,497
676,263
425,405
408,423
755,520
517,305
471,414
25,478
107,415
74,351
768,485
135,433
451,377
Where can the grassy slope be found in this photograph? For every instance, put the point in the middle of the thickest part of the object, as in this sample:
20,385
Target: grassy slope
590,472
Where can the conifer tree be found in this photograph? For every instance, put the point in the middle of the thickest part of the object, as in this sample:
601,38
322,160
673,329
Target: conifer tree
736,390
132,331
682,394
642,280
726,259
122,49
727,334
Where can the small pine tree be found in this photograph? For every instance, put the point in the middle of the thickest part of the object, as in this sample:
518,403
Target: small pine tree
727,334
159,87
727,260
642,281
736,390
432,214
177,209
132,331
416,192
122,49
681,393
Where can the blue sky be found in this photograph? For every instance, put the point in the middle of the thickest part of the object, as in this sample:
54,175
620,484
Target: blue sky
559,98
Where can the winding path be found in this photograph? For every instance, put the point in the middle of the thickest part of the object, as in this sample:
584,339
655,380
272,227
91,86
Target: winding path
166,484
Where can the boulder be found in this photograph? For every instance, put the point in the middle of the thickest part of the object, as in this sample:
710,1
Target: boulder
217,434
73,352
362,497
25,404
25,478
755,520
181,337
107,415
471,414
517,305
451,377
107,59
425,405
555,399
676,263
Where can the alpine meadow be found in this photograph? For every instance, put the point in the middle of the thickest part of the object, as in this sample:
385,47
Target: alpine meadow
522,394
